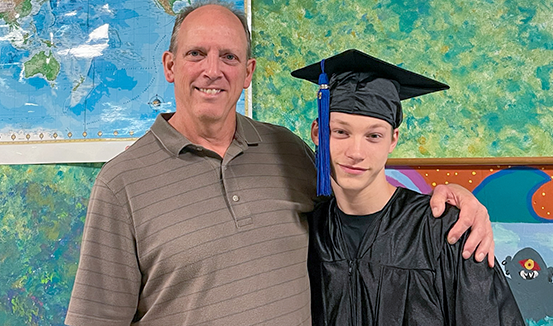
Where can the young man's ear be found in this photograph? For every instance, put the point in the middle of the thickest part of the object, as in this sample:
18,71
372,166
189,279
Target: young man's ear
395,136
315,132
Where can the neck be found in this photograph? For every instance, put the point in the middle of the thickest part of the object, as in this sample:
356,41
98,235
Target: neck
215,135
371,200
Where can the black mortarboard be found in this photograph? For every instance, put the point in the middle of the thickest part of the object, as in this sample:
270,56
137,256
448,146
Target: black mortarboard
364,85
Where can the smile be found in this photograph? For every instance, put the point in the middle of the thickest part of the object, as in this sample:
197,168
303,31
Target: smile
352,169
210,91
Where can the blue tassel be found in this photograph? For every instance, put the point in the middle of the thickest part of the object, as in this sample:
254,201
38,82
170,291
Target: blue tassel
323,151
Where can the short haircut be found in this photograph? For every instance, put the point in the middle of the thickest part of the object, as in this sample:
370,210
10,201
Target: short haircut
187,10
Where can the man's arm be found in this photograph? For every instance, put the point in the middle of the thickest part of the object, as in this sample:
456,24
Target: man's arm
473,215
107,284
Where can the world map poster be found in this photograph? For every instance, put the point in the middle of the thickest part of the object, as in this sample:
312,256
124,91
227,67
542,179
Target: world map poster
81,80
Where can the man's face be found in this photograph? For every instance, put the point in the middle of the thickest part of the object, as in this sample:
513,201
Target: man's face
359,148
209,67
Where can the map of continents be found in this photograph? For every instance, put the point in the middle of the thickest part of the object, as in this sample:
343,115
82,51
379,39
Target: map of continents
83,70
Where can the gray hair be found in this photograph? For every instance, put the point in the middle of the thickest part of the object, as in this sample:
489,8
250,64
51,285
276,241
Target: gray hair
187,10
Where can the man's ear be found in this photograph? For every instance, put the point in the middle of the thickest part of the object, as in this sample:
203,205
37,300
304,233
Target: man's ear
250,68
168,64
315,132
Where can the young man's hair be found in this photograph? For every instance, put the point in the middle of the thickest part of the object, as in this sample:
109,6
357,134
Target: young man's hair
187,10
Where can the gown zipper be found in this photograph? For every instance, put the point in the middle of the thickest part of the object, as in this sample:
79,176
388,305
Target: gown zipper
352,271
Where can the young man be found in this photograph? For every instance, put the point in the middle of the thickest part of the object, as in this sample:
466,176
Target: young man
377,256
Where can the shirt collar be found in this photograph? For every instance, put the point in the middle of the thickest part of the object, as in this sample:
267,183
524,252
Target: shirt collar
174,141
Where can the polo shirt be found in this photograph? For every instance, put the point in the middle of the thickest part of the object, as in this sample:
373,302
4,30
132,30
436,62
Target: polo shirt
177,235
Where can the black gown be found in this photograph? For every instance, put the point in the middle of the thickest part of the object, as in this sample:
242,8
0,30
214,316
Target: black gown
405,273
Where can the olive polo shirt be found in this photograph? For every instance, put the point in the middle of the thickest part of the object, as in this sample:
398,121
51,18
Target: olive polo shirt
176,236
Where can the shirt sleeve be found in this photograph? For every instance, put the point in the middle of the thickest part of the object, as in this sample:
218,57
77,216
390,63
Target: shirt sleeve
472,292
108,279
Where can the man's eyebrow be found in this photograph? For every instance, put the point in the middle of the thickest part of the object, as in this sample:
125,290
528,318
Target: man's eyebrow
193,48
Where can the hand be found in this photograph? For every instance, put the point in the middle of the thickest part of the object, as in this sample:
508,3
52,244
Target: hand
472,215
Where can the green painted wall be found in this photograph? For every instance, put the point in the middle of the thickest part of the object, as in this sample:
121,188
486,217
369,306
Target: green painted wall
497,56
42,212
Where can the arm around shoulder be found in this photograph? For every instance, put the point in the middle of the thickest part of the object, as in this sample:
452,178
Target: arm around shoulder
473,216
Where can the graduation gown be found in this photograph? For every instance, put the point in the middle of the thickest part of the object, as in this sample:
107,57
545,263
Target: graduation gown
404,273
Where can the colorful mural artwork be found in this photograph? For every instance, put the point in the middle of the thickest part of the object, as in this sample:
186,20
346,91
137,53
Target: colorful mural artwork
519,201
530,281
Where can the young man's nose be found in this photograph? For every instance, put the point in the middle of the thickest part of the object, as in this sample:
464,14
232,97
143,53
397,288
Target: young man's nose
355,149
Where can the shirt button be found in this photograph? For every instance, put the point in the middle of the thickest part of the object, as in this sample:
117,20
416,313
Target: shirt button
235,198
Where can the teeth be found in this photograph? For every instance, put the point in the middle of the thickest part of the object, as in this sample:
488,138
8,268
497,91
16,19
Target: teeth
210,91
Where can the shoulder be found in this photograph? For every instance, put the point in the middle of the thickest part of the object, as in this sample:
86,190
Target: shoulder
269,131
409,201
410,204
411,218
139,155
321,210
277,140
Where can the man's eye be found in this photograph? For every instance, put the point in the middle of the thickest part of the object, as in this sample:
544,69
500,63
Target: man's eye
230,57
194,53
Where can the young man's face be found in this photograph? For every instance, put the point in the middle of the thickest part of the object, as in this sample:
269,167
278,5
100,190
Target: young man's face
359,148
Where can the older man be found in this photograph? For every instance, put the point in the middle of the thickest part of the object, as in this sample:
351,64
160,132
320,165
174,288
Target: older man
201,220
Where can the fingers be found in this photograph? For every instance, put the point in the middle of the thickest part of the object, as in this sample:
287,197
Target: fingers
458,229
438,200
480,240
491,255
482,244
472,215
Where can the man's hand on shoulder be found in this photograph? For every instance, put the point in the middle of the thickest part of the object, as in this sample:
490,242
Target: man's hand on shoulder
472,215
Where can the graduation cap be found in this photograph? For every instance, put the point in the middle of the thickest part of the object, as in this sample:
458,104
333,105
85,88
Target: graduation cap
359,84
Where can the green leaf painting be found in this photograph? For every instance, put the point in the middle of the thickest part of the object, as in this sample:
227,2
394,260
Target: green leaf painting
42,211
497,56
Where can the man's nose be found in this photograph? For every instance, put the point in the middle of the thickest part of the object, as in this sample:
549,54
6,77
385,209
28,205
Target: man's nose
213,66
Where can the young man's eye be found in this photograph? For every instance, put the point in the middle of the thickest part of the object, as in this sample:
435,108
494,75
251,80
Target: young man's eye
339,132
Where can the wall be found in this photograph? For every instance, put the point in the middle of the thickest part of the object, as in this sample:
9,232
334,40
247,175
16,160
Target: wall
497,56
